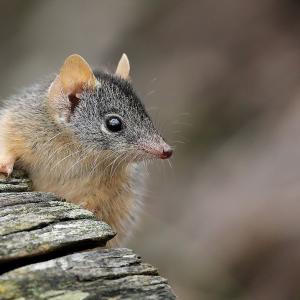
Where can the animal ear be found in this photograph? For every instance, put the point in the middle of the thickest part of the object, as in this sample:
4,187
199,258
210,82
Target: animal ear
123,67
74,76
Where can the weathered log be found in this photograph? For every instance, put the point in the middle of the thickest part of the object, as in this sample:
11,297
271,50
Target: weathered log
37,224
17,182
97,274
49,249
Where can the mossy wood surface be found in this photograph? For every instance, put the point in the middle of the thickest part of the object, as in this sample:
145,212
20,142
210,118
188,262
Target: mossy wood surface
51,249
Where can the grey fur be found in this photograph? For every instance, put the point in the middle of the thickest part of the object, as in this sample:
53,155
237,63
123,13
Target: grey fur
114,96
33,120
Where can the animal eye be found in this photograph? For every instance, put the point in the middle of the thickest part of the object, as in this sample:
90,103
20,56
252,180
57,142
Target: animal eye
114,123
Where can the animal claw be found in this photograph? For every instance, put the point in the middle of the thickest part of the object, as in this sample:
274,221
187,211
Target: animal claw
7,167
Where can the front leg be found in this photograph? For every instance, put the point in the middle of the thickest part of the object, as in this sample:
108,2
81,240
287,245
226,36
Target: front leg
7,158
7,161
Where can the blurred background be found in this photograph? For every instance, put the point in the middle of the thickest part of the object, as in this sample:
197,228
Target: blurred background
222,80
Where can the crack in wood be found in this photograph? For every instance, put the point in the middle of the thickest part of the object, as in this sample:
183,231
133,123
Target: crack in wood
51,249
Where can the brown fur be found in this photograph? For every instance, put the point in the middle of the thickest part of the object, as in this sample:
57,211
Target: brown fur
109,198
58,133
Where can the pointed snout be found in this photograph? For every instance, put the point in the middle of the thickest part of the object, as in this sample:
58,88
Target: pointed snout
159,149
166,152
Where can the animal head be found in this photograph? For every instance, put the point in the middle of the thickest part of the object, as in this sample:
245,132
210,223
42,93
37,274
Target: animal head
103,112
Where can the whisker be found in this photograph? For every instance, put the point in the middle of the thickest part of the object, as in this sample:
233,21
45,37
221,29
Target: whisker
81,158
121,159
67,156
179,142
170,164
56,151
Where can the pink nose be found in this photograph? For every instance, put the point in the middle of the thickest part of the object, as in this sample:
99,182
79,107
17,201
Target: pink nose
167,152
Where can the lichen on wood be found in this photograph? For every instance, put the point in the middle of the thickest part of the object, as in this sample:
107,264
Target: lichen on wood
97,274
51,249
17,182
36,224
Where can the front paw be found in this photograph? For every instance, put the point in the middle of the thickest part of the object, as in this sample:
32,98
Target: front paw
7,167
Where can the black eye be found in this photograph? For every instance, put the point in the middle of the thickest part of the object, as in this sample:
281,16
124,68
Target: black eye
114,123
